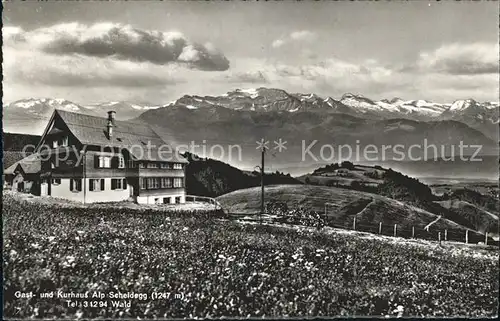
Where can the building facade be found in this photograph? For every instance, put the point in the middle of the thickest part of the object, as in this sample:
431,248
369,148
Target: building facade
92,159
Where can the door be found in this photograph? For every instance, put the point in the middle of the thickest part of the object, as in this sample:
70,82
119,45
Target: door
132,188
44,188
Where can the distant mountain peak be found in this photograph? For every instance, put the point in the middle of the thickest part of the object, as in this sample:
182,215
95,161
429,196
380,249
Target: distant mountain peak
461,105
395,100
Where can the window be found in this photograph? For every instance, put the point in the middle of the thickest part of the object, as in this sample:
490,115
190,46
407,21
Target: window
118,183
132,164
157,200
96,185
56,181
64,141
152,165
54,144
141,165
143,183
104,161
121,162
153,182
75,185
165,165
177,166
166,182
178,182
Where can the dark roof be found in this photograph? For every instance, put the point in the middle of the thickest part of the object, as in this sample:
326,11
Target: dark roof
133,136
30,165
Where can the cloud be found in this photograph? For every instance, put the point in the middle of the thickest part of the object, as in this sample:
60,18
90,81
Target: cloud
302,35
334,77
296,36
278,43
461,59
12,34
24,67
120,42
249,77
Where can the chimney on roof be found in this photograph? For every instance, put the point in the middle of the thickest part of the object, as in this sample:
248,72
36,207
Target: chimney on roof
111,123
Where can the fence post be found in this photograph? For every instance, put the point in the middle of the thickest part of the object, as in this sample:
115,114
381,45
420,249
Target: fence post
413,232
486,238
395,229
354,223
439,237
380,228
446,235
467,236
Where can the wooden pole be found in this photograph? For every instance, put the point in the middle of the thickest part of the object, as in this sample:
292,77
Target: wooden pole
467,236
354,223
486,238
262,184
380,228
439,237
413,232
446,235
395,229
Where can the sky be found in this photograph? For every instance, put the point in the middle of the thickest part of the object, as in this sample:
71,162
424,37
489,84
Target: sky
156,52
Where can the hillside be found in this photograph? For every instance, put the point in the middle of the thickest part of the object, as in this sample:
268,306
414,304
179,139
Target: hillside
343,205
487,202
209,177
16,142
13,145
482,220
397,186
345,174
375,179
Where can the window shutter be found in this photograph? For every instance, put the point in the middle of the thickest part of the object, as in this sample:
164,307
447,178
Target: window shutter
113,184
102,184
124,183
71,185
114,162
91,186
96,161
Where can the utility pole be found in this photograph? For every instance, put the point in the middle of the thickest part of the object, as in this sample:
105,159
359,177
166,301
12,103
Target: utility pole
262,183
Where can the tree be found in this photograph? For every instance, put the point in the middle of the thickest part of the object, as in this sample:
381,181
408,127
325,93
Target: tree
347,164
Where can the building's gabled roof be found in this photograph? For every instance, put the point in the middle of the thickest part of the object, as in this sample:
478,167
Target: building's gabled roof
30,165
133,136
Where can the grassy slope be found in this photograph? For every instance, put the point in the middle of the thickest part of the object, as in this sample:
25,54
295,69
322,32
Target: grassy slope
218,265
325,176
342,206
480,218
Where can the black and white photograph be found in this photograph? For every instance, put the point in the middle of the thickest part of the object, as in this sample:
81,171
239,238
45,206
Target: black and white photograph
250,159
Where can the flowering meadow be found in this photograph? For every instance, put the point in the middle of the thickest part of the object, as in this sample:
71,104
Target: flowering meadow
222,268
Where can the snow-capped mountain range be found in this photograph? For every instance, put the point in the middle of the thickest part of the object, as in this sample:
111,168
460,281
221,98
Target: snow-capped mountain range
479,115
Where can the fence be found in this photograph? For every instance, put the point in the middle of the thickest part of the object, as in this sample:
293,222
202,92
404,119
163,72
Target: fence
204,199
414,232
432,230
